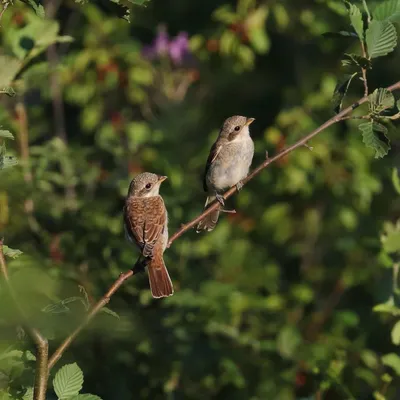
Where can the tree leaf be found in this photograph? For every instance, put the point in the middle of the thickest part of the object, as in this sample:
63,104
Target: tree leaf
392,360
388,10
6,135
390,237
9,68
356,20
381,38
12,253
355,61
28,394
7,161
396,180
396,333
85,397
340,92
108,311
374,136
68,381
380,100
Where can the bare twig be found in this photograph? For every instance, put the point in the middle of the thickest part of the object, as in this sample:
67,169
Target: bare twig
364,69
96,308
7,3
42,347
123,277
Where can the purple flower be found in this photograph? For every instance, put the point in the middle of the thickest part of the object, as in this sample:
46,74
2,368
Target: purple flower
179,48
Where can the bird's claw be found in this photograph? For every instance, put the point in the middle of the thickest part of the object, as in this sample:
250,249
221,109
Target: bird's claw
228,211
239,186
220,199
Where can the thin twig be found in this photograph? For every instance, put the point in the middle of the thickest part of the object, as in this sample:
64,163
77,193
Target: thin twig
96,308
4,9
337,118
42,346
363,69
123,277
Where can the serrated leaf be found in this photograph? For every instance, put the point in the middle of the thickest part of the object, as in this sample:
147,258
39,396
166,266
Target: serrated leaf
356,20
395,334
108,311
380,100
6,135
374,136
85,397
381,38
388,10
341,91
396,180
9,68
392,360
68,381
12,253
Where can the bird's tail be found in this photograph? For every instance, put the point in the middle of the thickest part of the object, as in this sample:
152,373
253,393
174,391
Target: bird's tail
209,222
160,282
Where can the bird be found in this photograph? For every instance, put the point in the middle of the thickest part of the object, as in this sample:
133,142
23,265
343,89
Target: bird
146,225
227,164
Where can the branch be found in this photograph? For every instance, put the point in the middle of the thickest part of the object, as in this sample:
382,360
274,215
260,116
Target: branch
302,142
95,309
42,347
123,277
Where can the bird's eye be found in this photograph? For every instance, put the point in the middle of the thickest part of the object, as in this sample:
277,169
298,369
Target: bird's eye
237,128
148,186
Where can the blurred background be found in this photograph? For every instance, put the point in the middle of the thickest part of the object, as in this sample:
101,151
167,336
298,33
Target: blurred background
278,301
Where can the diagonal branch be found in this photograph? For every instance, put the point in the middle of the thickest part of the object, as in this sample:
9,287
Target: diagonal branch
302,142
123,277
42,346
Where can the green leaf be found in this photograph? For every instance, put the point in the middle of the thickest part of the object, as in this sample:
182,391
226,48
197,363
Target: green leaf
9,68
392,360
6,135
390,237
380,100
388,307
28,394
355,61
288,341
388,10
68,381
85,397
7,161
396,180
357,20
38,8
396,333
341,91
374,136
106,310
12,253
381,38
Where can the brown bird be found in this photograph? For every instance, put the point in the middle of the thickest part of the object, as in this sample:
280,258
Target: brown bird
227,164
146,225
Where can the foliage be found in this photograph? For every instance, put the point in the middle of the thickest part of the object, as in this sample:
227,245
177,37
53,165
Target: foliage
292,297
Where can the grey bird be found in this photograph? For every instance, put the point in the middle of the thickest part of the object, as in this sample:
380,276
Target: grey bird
227,164
146,225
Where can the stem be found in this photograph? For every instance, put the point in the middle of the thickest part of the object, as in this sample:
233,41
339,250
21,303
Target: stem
363,69
96,308
42,346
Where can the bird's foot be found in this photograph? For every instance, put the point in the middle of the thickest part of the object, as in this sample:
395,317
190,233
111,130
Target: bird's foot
228,211
239,186
220,199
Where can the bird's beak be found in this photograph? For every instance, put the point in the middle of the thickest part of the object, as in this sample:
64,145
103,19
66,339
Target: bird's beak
249,121
162,178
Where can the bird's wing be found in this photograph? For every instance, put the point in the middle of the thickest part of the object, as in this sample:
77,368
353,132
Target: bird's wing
145,219
214,151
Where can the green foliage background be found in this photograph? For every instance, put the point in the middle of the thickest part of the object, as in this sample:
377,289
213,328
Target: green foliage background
277,302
